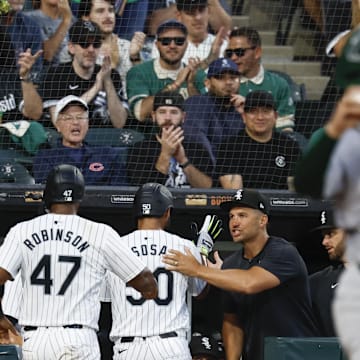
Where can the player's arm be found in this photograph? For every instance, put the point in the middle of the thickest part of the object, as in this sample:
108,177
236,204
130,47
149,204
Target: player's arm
8,333
251,281
233,337
145,283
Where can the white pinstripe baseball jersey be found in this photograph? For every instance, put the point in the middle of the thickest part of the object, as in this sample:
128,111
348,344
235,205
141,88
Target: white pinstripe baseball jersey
132,315
12,297
63,260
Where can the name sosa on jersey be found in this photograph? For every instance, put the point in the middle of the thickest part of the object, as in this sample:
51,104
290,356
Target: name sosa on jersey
56,235
149,249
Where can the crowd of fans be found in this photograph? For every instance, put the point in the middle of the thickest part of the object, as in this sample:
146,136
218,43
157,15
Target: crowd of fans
237,118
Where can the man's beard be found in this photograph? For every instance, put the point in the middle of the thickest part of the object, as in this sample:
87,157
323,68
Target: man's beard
221,99
168,61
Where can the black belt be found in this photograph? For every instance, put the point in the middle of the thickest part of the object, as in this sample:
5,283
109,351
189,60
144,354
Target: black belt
128,339
72,326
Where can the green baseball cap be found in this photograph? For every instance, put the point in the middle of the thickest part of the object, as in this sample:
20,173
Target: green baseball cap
348,65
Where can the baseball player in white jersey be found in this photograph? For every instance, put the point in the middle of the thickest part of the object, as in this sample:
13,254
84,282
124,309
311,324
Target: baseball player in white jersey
63,259
153,329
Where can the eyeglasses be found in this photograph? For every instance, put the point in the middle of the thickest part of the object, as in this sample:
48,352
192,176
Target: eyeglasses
86,44
239,52
79,117
165,41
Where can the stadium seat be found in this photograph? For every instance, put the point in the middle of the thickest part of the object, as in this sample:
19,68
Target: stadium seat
13,172
103,137
113,137
298,91
10,352
283,348
16,156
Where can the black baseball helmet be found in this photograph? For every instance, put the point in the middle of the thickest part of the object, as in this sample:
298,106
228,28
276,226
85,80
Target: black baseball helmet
152,200
65,184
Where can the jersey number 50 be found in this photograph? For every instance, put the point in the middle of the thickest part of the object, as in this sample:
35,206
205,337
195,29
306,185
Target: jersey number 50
170,287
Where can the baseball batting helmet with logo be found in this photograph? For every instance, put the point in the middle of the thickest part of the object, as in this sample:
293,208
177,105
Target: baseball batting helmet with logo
152,199
65,184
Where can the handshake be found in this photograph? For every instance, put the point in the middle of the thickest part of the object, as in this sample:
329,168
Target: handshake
209,232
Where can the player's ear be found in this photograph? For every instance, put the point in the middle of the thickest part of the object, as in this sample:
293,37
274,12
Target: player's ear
207,84
71,48
264,219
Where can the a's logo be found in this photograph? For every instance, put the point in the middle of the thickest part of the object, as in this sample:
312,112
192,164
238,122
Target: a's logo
73,87
280,161
67,195
239,195
146,208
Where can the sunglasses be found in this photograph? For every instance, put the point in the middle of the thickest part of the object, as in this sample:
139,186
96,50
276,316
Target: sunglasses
165,41
85,44
239,52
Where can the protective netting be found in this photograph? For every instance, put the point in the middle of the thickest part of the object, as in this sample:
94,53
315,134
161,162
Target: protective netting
281,47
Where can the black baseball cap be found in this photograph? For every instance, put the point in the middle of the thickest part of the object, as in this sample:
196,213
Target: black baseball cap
222,66
259,98
168,98
171,24
247,198
85,32
326,220
188,5
348,65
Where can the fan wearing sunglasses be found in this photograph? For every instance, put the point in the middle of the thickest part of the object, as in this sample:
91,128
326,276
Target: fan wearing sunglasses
244,48
99,86
198,16
167,72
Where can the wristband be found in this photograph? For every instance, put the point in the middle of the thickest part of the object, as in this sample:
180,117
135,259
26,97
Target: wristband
185,164
26,79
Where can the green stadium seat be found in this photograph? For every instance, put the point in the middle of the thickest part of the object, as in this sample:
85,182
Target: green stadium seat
13,172
103,137
10,352
289,348
113,137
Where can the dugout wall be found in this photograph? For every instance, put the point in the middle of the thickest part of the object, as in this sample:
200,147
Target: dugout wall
292,216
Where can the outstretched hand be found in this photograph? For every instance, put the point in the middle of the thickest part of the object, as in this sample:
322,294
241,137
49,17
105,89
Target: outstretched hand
26,61
186,263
